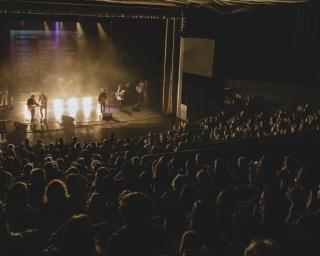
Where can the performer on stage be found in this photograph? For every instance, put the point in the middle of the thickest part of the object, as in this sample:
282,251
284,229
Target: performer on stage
140,89
43,101
145,93
120,95
102,100
32,104
3,93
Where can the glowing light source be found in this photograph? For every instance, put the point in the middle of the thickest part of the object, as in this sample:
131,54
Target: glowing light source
46,26
57,26
58,108
26,113
80,31
101,31
73,106
86,106
98,111
61,25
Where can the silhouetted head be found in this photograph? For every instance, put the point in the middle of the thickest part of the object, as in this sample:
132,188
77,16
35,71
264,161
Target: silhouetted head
136,208
190,241
262,248
202,177
73,184
56,192
78,237
17,196
243,163
37,176
4,227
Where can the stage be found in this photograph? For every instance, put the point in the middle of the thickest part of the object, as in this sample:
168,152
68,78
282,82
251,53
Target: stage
88,124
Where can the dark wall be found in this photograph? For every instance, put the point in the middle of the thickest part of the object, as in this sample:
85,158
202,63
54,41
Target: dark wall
140,45
270,43
202,95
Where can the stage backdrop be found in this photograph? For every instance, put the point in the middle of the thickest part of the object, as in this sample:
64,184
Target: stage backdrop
40,57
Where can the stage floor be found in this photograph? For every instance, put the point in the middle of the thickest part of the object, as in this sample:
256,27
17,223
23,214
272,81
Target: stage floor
88,125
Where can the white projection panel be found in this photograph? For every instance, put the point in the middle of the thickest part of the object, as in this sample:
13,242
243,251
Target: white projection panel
198,56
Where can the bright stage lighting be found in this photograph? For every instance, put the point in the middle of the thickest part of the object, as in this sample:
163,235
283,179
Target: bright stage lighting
61,25
73,106
46,26
80,31
26,113
86,106
98,111
101,31
58,108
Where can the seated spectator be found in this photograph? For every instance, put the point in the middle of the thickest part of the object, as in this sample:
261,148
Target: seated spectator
56,209
102,203
17,207
9,242
137,236
262,248
287,173
190,244
79,238
241,174
77,197
36,188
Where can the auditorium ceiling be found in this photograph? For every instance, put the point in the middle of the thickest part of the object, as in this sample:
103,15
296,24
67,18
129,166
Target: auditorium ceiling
204,3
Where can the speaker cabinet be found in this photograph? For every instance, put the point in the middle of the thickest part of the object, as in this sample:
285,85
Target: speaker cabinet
20,126
136,108
67,120
107,116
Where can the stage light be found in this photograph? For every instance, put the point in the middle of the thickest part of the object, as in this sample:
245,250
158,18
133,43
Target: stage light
101,31
57,26
80,31
86,106
61,25
73,106
46,26
26,113
98,111
57,108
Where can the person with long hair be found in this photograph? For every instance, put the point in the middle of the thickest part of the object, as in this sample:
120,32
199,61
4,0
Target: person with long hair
56,207
17,207
137,236
78,237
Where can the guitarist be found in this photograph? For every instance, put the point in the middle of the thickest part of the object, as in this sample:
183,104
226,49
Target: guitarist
120,95
32,104
102,101
140,91
43,100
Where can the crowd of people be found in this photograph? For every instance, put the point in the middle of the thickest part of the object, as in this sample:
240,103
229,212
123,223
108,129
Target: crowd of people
108,198
244,119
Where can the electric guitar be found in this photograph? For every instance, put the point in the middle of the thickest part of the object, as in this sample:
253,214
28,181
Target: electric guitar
119,95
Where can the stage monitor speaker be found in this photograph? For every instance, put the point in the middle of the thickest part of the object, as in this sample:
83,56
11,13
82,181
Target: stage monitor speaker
20,126
136,107
67,120
107,116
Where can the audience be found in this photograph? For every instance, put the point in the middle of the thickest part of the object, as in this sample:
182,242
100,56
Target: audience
108,198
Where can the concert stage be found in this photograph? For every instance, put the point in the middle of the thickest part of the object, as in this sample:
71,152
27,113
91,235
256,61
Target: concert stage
88,123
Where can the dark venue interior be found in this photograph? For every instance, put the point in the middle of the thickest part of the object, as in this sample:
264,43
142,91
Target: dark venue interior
159,127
